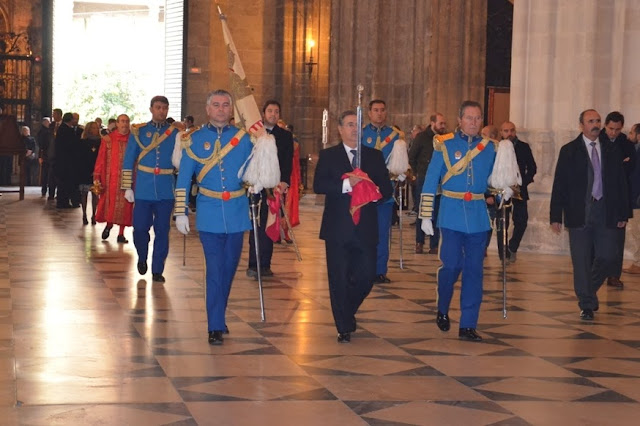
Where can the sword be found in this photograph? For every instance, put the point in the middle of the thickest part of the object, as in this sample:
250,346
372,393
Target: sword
291,234
360,89
401,189
184,249
503,220
254,219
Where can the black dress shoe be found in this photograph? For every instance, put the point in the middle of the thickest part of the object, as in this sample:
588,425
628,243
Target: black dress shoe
84,220
105,233
157,278
443,321
122,239
215,337
586,315
469,334
344,337
381,279
226,329
266,272
142,268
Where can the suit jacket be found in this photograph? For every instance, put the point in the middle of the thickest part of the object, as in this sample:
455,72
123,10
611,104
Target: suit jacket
421,152
628,150
526,164
284,143
573,181
337,223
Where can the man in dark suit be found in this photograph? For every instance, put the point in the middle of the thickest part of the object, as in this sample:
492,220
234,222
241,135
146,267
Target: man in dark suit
612,131
284,144
350,248
66,141
419,158
528,169
590,195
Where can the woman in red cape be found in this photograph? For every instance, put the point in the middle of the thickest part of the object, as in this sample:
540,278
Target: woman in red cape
112,206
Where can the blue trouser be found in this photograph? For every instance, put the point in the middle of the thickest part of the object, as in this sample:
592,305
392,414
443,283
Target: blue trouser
384,226
461,252
221,255
158,214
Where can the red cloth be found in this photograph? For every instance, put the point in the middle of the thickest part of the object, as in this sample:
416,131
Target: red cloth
272,228
292,202
363,192
112,207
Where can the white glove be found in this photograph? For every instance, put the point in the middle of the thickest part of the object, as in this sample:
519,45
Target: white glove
182,224
402,177
427,226
129,196
508,193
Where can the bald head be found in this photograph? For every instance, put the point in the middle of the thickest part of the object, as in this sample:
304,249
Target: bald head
489,132
508,131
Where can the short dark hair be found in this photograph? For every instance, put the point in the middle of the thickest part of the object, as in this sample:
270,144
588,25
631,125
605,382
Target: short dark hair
614,116
377,101
271,102
113,120
58,110
581,117
67,117
468,104
189,118
289,127
434,117
159,98
344,115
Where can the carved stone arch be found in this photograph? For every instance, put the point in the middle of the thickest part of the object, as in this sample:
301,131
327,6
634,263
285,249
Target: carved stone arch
4,20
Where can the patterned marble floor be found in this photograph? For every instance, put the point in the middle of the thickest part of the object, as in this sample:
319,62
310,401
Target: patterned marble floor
86,340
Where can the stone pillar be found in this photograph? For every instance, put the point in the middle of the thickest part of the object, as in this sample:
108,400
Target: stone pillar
569,56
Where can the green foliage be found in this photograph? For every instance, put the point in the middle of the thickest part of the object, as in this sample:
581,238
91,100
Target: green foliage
107,94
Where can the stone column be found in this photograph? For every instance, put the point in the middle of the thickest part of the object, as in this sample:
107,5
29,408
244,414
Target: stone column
569,56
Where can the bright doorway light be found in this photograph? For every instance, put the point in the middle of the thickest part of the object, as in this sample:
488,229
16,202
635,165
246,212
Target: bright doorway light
111,57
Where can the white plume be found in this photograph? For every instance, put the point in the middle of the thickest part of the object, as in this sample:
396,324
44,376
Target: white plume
262,170
398,161
505,168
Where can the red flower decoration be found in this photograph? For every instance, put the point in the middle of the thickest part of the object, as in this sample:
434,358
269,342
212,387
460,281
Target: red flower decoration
387,139
480,147
226,196
234,141
467,196
168,131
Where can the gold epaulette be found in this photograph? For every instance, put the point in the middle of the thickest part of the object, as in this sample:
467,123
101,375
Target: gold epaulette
135,128
438,140
187,133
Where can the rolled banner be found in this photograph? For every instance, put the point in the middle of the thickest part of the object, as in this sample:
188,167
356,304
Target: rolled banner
248,114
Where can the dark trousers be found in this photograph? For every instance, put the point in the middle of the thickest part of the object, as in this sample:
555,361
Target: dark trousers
265,244
52,181
44,180
157,214
620,238
351,269
65,192
593,254
520,219
221,255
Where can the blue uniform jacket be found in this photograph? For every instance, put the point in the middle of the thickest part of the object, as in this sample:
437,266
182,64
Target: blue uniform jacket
154,172
454,212
201,147
381,139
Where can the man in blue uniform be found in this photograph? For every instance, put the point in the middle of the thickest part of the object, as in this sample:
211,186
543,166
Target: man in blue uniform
150,147
378,135
461,164
215,153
